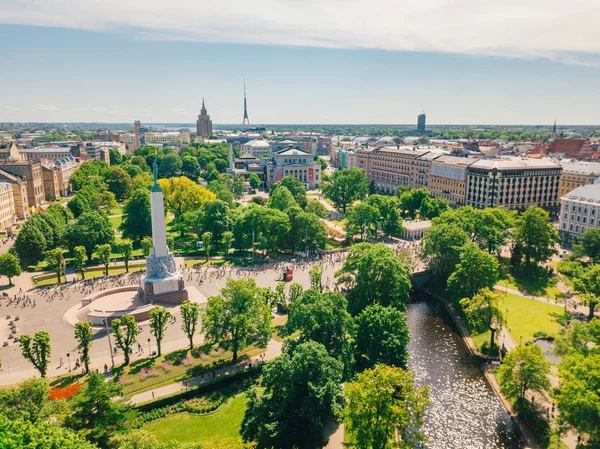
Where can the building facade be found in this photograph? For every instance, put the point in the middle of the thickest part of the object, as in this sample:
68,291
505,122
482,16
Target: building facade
579,210
31,172
7,206
515,183
51,183
19,188
257,148
49,153
448,179
421,119
294,162
204,123
576,174
170,137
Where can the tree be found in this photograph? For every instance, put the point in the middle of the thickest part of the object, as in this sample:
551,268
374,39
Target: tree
254,181
383,403
300,393
190,312
207,240
382,336
103,253
119,182
373,275
316,277
589,245
79,258
17,434
315,207
213,216
126,331
296,187
37,350
29,401
345,187
476,269
54,258
483,313
159,319
226,241
237,187
183,195
190,167
306,231
363,220
237,317
579,338
535,236
432,207
89,230
524,369
442,246
578,395
137,219
95,411
389,216
587,286
169,165
30,244
126,249
411,201
9,266
323,317
146,246
281,199
295,292
84,336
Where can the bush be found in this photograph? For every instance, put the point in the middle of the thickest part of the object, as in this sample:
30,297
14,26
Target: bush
542,334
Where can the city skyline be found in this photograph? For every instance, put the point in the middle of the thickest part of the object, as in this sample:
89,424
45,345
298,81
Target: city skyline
66,63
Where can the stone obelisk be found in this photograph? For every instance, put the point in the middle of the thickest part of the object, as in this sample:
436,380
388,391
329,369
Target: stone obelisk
162,283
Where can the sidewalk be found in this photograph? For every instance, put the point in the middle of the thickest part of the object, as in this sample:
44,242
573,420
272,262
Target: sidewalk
273,350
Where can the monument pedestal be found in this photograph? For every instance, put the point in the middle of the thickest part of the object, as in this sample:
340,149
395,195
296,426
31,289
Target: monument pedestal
170,290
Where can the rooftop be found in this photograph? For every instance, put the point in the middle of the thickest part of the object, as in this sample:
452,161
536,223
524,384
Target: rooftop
257,143
588,194
455,160
514,163
581,168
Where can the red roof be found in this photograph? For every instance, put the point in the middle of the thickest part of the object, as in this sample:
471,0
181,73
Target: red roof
575,148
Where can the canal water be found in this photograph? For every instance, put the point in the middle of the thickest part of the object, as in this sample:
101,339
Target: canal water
464,412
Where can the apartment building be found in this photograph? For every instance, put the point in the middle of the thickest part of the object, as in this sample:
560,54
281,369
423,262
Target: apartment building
448,179
515,183
7,206
19,188
171,137
579,210
390,167
51,184
49,153
31,172
256,148
576,174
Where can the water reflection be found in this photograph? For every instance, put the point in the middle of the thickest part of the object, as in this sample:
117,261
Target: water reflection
464,412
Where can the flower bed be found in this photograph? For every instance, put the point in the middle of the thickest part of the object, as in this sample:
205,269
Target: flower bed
62,394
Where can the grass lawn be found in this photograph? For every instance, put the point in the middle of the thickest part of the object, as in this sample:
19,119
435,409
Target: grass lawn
51,279
117,210
115,221
534,281
341,222
178,366
187,428
526,316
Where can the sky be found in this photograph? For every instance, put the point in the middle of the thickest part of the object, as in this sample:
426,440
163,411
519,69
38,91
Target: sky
304,61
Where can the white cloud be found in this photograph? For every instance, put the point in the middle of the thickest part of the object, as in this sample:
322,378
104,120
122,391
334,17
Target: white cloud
46,107
559,30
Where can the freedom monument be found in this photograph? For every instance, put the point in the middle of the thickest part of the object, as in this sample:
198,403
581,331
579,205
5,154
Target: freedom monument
162,284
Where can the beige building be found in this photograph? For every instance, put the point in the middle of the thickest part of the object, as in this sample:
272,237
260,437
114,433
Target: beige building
7,206
515,183
19,188
579,210
448,179
51,184
256,148
172,137
390,167
49,153
11,152
31,172
576,174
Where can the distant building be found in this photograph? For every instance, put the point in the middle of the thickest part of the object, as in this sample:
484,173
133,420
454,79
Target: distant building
31,172
11,152
421,122
204,123
49,153
137,131
7,206
281,145
19,188
573,149
579,210
448,179
51,183
247,164
324,146
515,183
256,148
293,162
576,174
170,137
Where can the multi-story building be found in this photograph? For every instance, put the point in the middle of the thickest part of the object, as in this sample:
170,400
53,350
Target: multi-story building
573,148
204,123
31,172
515,183
19,188
579,210
448,179
7,206
390,167
130,141
97,151
576,174
421,122
256,148
294,162
49,153
168,137
51,183
280,145
11,152
64,169
323,146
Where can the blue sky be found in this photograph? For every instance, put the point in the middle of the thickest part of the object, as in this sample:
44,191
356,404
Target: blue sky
321,72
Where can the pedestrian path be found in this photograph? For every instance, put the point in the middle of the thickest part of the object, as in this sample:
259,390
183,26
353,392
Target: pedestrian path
273,350
574,306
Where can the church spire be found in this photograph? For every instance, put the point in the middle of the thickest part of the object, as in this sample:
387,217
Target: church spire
554,131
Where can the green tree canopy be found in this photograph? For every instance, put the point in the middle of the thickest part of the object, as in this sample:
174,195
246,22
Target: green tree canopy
587,286
119,182
483,312
282,199
137,219
125,330
345,187
9,266
19,434
589,245
363,220
476,269
296,187
535,236
190,313
89,230
442,246
37,350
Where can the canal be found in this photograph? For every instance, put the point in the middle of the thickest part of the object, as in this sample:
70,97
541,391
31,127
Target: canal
464,412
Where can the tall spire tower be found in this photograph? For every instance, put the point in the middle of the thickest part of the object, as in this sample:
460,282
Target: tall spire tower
245,120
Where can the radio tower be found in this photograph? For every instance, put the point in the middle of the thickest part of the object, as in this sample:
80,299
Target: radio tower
245,120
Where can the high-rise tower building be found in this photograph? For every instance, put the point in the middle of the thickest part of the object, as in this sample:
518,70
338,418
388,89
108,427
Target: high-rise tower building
204,123
421,122
245,120
137,132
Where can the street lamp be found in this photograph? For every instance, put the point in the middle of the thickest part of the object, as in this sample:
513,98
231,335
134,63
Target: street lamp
68,360
149,351
112,358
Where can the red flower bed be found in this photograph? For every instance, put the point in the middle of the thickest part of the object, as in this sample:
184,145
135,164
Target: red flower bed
64,393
